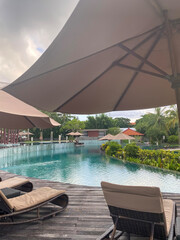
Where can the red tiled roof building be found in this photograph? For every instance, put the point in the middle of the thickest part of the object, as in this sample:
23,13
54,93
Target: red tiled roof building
131,132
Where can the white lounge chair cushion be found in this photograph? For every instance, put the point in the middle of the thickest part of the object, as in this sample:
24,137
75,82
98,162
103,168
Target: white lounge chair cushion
137,198
34,198
13,182
168,212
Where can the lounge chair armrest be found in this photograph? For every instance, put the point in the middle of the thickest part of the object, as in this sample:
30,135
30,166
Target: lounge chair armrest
177,228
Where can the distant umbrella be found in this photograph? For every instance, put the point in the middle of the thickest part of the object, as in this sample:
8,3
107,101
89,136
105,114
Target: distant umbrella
75,134
107,137
70,134
78,134
122,136
25,133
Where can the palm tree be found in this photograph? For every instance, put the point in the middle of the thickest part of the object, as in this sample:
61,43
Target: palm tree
160,120
172,115
173,120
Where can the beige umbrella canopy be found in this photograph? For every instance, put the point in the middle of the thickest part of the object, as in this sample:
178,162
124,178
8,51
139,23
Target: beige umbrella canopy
76,134
106,137
115,55
122,136
70,134
25,133
15,114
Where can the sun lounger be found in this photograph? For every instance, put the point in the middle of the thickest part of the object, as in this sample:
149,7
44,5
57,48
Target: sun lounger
22,184
139,210
11,209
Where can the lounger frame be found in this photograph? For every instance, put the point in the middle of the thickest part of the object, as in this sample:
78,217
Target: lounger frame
7,217
141,223
26,187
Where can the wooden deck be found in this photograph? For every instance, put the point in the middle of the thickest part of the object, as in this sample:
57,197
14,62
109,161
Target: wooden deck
86,217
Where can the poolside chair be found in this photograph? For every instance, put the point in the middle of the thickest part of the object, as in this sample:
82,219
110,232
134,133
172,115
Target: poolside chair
22,184
11,210
138,210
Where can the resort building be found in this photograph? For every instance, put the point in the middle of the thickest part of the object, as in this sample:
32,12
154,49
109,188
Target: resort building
131,132
94,133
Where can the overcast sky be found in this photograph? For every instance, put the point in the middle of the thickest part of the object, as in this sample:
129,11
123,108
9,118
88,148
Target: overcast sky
27,29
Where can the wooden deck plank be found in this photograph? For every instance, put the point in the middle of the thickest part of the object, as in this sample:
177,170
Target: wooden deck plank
86,217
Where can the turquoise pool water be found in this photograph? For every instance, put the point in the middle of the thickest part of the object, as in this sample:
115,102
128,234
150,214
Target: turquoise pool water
83,165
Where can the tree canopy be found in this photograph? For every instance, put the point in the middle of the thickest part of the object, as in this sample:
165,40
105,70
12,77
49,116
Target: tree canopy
102,121
113,131
59,130
164,122
74,125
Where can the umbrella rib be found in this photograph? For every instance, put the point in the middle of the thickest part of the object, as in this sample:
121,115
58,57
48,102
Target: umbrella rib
142,59
89,84
144,71
111,66
139,68
157,7
29,121
78,60
139,45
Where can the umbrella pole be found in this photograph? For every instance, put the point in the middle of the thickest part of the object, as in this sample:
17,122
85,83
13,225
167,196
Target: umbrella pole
175,75
4,136
28,134
177,91
1,135
8,136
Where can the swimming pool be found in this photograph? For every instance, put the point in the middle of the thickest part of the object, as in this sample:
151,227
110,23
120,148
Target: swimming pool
83,165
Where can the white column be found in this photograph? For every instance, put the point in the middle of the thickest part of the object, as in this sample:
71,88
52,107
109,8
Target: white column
59,138
41,136
51,138
31,141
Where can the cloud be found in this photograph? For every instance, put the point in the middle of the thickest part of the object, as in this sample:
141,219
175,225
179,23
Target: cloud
132,115
27,29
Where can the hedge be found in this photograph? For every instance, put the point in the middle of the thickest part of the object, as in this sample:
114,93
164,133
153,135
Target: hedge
133,153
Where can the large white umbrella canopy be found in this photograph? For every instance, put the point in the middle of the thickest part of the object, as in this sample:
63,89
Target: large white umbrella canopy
110,55
15,114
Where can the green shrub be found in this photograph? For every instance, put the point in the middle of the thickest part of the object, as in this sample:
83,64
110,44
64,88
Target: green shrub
113,148
104,146
173,139
156,158
131,150
113,131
